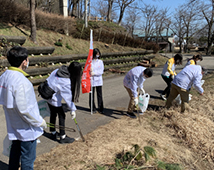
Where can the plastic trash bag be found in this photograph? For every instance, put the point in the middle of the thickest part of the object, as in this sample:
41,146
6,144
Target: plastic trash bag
44,108
202,82
6,146
178,99
143,101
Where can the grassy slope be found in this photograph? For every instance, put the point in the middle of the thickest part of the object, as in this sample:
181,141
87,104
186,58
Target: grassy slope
48,38
186,139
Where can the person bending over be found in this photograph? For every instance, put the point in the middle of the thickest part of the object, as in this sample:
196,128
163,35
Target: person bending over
133,80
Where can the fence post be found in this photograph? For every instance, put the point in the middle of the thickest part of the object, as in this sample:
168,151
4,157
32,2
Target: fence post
125,39
82,30
113,39
99,34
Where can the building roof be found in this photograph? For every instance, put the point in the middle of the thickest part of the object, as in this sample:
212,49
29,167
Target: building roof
141,33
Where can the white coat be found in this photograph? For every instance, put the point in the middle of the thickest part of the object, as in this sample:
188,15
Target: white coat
20,106
62,88
98,68
134,79
190,75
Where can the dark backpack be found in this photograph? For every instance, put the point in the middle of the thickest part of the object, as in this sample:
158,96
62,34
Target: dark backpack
45,91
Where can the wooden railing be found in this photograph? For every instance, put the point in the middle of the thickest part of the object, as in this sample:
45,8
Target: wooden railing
96,18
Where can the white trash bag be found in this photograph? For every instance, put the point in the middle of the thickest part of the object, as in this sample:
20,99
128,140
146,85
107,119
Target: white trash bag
143,101
6,146
202,82
178,99
44,108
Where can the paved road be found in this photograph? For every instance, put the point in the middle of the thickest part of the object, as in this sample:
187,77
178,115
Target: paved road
115,103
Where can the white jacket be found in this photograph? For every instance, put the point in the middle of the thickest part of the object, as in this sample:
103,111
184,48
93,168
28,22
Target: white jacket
134,79
62,88
191,74
98,68
20,106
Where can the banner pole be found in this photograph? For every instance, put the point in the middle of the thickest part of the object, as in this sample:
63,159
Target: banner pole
91,47
91,97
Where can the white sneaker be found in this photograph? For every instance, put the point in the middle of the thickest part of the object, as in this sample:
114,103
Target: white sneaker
141,113
163,97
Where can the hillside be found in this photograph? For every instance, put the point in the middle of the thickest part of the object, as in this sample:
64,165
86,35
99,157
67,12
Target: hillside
48,38
179,139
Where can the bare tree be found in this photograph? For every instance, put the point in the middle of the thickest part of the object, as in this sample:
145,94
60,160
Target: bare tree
74,4
123,4
109,13
33,21
131,19
208,13
163,24
190,19
100,8
179,27
149,13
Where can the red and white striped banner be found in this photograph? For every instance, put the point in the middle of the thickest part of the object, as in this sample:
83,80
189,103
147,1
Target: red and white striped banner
86,83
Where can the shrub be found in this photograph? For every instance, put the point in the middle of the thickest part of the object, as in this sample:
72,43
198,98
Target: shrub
58,44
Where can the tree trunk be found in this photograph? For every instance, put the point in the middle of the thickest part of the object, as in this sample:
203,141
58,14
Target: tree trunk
121,16
74,11
33,21
110,4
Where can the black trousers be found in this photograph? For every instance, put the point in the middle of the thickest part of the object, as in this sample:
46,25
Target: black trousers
168,81
99,99
61,114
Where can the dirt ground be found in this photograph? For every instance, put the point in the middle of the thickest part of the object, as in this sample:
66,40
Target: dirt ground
186,139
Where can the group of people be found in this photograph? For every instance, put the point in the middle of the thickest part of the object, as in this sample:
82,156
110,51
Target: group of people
180,83
24,122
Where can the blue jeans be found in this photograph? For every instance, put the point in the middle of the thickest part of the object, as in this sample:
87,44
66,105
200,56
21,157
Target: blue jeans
24,152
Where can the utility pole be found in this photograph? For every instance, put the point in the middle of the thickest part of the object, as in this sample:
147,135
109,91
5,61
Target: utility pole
86,13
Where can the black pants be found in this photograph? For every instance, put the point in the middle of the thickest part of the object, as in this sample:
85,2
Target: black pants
61,114
168,81
99,99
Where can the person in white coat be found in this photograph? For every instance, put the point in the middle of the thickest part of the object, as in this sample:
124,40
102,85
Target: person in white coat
133,81
24,123
65,82
97,69
188,76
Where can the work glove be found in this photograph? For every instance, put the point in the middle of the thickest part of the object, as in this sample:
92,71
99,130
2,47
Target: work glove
73,114
43,125
136,101
172,77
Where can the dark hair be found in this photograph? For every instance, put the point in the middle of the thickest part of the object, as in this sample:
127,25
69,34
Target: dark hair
178,59
198,56
95,51
75,70
17,55
148,72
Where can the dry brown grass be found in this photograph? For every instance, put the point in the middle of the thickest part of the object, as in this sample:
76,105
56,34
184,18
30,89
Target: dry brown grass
187,139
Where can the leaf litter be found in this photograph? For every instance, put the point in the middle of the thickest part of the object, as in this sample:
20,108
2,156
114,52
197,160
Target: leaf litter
186,139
